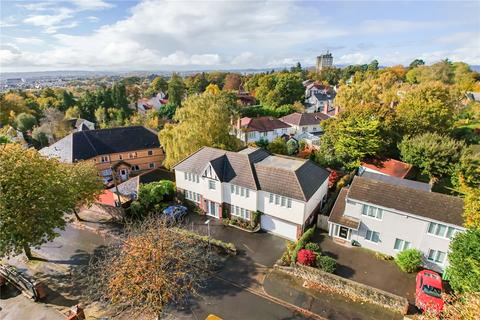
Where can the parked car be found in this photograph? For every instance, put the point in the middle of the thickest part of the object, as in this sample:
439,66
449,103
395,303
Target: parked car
428,291
175,213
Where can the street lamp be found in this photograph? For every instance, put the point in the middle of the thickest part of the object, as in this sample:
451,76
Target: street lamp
208,232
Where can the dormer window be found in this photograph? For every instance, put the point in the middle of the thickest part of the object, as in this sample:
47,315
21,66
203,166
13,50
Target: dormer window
104,159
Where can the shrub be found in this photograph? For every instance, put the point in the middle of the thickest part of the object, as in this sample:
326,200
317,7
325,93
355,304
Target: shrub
313,247
302,242
409,260
326,263
285,259
306,257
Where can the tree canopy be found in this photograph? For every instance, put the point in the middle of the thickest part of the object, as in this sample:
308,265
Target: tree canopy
203,120
434,154
35,192
464,259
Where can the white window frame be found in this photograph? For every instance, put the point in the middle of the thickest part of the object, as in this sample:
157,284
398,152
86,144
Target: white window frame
434,255
436,227
232,189
270,198
289,203
104,159
403,245
368,210
371,238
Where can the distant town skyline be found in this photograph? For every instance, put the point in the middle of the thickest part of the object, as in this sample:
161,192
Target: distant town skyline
196,35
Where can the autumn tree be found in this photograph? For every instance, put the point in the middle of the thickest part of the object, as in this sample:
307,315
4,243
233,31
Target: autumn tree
151,267
176,90
212,89
11,105
197,83
434,154
202,121
275,90
232,81
34,195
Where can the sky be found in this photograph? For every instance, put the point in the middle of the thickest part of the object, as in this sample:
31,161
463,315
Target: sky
108,35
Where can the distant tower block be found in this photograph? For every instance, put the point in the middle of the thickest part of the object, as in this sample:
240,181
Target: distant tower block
324,61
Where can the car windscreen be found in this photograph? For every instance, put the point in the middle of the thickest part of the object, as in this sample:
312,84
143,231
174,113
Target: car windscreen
432,291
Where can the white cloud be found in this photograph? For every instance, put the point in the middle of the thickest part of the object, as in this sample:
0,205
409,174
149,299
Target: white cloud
49,20
29,40
92,18
91,4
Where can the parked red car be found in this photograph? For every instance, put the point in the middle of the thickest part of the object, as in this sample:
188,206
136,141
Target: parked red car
428,292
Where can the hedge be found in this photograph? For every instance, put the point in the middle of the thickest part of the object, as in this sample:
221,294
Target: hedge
227,246
302,242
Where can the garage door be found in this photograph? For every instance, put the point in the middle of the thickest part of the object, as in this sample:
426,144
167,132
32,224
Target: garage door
279,227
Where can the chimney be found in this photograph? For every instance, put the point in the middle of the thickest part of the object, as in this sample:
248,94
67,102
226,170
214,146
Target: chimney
325,107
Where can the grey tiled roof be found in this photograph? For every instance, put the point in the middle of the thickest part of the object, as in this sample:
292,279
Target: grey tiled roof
83,145
304,119
427,204
398,181
256,169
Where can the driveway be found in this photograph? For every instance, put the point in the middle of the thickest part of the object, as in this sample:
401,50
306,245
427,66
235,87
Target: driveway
362,266
262,248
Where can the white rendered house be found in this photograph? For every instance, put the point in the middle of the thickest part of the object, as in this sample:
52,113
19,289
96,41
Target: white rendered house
227,184
261,128
387,217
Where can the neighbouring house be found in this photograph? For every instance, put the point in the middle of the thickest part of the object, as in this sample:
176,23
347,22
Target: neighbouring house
14,135
389,217
311,140
128,190
389,167
154,103
79,124
120,152
305,122
245,99
261,128
287,191
319,98
473,96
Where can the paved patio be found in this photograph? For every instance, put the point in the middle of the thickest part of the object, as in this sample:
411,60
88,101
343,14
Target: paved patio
362,266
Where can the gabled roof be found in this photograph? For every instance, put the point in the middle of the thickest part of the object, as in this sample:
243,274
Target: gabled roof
256,169
427,204
83,145
337,215
304,119
391,167
262,124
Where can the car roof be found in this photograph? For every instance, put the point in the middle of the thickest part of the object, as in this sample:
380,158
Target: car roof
431,278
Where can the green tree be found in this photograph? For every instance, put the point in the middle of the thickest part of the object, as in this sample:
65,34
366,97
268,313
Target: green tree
429,107
415,63
196,84
434,154
292,147
176,90
373,66
202,121
409,260
278,146
467,170
66,100
34,194
25,122
40,137
347,140
464,258
158,84
275,90
87,105
85,184
152,197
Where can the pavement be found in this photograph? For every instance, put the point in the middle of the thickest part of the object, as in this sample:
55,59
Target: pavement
362,266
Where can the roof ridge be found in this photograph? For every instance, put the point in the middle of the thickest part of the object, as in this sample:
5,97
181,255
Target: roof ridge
189,156
89,142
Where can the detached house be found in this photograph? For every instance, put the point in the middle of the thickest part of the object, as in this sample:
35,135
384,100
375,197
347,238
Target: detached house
319,98
123,151
305,122
388,217
261,128
227,184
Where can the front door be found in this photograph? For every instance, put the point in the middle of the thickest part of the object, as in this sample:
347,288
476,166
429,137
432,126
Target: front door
343,233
